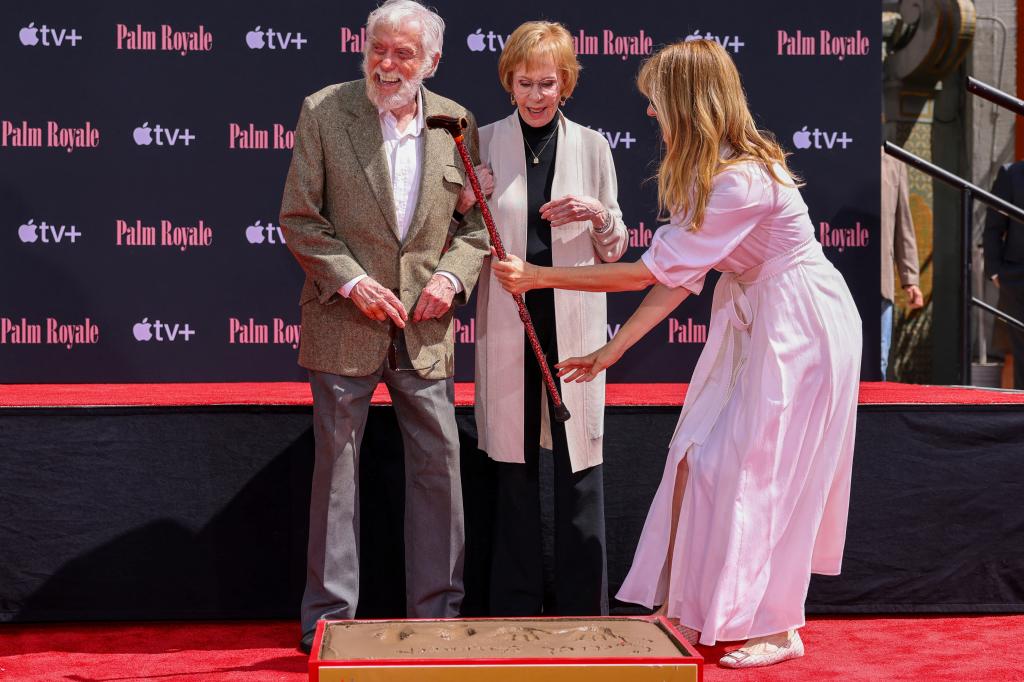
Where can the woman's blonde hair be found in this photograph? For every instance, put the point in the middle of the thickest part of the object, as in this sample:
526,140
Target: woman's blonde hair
533,43
696,92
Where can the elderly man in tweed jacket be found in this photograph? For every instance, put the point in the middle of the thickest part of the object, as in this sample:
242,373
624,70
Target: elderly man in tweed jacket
368,213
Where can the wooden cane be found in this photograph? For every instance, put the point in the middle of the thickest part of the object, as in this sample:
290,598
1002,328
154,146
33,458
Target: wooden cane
454,127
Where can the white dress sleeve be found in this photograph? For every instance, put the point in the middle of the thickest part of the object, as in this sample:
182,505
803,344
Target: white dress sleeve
681,257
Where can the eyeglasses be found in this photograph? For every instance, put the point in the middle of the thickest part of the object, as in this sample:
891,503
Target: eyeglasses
548,86
398,354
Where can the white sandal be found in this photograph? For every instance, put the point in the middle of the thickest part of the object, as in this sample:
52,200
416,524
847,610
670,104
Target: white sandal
761,651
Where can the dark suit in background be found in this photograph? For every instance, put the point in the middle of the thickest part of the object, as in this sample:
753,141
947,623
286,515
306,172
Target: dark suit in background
1004,256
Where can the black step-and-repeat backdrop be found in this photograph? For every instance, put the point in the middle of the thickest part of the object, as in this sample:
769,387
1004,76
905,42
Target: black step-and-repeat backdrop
143,149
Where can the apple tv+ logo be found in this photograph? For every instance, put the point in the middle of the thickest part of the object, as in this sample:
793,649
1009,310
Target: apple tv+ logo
258,39
732,43
490,41
44,35
258,233
45,233
162,136
820,139
156,330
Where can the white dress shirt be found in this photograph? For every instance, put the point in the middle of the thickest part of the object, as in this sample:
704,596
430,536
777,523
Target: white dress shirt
404,152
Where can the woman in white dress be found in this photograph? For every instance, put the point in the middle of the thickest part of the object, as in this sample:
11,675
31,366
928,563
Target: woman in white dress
755,492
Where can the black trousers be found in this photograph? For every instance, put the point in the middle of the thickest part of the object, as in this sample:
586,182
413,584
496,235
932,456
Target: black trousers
580,582
1012,293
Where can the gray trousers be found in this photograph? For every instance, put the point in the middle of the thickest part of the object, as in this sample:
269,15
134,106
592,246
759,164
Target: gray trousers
434,526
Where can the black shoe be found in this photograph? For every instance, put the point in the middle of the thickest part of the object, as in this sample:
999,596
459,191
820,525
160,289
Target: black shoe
306,643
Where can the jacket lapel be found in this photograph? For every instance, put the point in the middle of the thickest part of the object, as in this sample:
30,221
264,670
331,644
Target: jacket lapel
368,143
436,152
508,161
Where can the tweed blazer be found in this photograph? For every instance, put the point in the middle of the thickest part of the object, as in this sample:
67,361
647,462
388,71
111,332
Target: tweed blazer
338,218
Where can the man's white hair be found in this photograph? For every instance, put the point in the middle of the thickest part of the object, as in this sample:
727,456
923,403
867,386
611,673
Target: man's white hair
394,13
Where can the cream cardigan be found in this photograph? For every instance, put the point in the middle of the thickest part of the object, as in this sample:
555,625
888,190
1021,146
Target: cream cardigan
583,166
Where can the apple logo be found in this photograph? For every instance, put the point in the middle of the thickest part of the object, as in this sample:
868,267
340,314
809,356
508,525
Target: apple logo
802,138
27,232
475,41
29,36
254,233
143,135
143,331
254,39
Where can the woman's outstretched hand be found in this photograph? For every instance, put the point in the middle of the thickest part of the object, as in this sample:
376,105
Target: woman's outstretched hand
589,366
514,274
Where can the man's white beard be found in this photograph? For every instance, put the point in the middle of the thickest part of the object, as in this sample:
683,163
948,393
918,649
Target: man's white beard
406,92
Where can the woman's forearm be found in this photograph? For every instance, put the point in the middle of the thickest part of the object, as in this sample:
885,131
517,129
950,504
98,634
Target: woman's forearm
602,277
656,306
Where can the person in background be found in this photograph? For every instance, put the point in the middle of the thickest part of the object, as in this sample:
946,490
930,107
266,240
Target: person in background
899,246
1003,241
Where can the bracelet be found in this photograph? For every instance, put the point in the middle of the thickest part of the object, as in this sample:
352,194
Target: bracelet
607,223
457,217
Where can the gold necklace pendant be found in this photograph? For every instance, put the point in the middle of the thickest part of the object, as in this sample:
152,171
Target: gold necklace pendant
536,160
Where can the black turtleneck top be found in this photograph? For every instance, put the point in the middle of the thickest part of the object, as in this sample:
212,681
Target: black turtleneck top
541,141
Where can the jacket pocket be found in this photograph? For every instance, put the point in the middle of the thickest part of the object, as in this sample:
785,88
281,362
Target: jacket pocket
453,175
308,293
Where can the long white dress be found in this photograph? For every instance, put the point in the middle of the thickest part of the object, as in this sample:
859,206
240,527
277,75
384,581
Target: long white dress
768,421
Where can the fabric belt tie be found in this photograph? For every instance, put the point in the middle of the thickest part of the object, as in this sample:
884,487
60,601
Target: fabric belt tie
714,377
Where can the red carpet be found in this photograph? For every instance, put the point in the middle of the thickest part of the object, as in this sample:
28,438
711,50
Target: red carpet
849,649
297,393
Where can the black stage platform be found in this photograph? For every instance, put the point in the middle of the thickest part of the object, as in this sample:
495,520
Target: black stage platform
149,513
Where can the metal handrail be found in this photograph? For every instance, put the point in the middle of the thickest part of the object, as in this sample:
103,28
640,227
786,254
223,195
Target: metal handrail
995,95
999,314
968,193
1001,205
